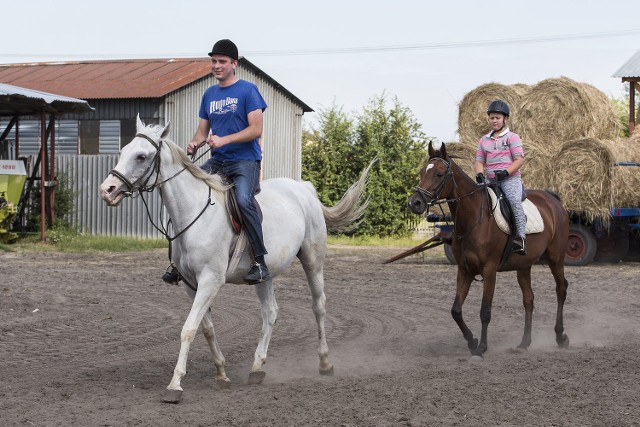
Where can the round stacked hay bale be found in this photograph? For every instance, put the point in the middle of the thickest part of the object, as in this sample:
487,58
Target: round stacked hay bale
583,177
472,110
561,109
626,179
464,156
538,169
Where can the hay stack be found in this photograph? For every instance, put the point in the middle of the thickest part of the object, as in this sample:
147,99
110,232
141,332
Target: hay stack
464,156
538,169
561,109
472,110
583,176
626,179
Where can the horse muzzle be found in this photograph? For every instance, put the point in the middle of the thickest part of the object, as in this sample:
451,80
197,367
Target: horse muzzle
418,203
111,192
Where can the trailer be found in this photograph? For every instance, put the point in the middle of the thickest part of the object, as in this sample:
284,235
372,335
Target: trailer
615,241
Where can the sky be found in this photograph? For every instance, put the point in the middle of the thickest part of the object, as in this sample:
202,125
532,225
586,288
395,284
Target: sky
342,54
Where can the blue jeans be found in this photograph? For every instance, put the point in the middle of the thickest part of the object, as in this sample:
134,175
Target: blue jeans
245,175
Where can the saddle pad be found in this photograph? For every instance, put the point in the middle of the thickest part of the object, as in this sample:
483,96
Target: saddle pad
534,219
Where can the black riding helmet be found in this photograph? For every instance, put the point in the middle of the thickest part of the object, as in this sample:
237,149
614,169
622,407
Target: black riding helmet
498,106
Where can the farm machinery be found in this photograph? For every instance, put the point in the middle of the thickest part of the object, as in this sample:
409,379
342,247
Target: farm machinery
12,178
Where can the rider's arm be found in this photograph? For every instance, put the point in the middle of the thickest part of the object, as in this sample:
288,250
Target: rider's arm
201,135
251,132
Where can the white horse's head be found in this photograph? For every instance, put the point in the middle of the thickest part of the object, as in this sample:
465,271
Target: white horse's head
138,164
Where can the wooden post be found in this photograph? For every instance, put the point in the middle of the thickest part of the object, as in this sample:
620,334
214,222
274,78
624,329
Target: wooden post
632,107
43,175
52,174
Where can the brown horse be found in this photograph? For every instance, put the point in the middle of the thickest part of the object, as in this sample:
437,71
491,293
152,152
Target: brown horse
478,243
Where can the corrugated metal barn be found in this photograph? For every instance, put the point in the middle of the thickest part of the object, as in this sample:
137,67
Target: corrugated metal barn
161,91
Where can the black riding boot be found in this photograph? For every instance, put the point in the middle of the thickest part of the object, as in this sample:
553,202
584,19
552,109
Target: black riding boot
518,246
258,272
171,276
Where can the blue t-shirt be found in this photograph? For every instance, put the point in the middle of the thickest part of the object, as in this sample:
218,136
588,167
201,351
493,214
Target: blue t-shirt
227,108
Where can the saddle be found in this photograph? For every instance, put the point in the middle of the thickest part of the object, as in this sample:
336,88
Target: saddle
504,216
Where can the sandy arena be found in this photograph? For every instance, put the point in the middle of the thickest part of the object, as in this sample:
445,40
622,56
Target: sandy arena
92,340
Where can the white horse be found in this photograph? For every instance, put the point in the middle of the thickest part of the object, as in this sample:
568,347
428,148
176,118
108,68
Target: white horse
295,225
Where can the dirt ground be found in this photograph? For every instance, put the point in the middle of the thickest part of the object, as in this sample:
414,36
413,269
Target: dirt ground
92,339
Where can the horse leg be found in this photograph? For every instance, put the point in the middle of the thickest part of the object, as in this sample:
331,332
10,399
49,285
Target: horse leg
216,354
201,303
524,280
557,269
314,270
269,311
462,290
489,277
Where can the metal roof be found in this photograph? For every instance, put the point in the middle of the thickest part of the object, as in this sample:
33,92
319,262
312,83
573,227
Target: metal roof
631,68
20,101
113,79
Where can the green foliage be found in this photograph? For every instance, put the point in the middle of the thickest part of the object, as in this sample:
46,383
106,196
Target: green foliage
334,155
621,107
64,199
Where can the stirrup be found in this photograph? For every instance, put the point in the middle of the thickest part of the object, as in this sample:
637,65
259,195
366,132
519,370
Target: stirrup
258,273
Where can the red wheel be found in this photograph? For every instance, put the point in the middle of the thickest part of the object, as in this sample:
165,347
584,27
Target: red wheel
581,246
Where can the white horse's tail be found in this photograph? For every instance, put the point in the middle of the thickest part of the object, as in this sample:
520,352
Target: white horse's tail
350,209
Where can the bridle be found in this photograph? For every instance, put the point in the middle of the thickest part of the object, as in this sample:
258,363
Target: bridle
436,199
154,167
433,198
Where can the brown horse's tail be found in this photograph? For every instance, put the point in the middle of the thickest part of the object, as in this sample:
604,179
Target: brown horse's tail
350,209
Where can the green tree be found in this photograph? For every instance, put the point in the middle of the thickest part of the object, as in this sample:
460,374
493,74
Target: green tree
621,107
393,135
334,155
326,152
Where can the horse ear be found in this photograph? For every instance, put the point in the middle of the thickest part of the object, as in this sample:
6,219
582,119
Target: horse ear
139,124
443,151
165,131
436,147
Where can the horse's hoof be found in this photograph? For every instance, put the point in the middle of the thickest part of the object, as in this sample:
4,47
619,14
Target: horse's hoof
327,371
223,383
172,396
256,377
564,342
476,359
473,345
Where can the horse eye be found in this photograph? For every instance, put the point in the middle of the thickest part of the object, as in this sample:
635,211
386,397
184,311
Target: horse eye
439,174
141,157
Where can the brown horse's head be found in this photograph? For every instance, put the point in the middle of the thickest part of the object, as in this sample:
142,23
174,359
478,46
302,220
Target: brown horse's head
435,179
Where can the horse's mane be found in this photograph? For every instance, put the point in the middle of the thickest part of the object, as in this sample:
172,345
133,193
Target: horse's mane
214,181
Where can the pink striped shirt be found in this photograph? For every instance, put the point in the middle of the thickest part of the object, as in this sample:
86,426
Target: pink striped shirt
499,151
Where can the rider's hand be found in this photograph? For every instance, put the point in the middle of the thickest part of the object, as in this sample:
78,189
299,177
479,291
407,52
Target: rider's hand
192,147
501,174
480,178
